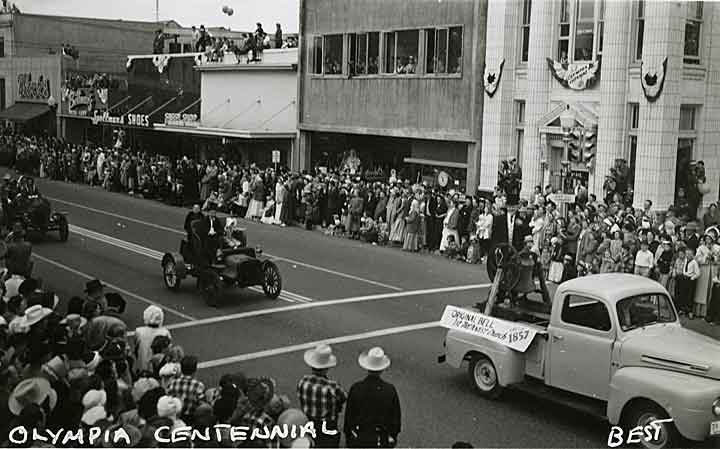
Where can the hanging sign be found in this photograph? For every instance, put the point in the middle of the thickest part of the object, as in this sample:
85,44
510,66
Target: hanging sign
652,78
443,179
575,76
276,156
492,79
182,120
33,89
513,335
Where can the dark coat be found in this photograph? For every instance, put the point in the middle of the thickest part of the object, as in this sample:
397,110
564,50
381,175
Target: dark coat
499,232
373,410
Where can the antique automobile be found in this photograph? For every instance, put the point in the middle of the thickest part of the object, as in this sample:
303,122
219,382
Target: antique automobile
233,264
36,214
610,345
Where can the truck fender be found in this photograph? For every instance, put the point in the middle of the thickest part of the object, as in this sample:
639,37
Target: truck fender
687,399
509,364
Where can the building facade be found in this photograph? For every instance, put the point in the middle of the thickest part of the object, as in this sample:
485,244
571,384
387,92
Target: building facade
395,83
585,83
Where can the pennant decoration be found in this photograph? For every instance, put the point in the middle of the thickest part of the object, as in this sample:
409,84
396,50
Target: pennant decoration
652,79
575,76
102,95
492,79
161,61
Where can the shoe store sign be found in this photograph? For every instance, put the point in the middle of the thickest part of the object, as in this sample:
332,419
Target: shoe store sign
139,120
182,120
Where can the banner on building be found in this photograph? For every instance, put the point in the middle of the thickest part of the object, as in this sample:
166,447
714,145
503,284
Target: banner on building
182,120
513,335
577,75
492,78
33,88
652,78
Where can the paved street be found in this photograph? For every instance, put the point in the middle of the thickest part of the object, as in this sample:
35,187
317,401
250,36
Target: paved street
352,294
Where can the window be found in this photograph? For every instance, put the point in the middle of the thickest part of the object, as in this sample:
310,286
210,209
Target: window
564,39
633,122
687,118
2,47
580,37
333,52
373,53
644,310
525,30
407,52
519,128
443,50
586,312
639,29
693,25
358,54
389,63
317,55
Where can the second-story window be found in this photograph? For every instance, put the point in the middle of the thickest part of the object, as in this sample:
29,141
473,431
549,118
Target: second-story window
333,53
525,31
639,29
581,30
316,55
693,27
443,50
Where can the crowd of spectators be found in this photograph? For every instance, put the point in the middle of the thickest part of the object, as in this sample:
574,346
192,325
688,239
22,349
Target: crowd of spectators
68,367
588,236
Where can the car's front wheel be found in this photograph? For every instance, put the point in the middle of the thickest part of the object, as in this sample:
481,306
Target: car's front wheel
647,415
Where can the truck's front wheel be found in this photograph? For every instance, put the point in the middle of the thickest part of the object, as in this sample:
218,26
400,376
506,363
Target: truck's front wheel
484,377
645,415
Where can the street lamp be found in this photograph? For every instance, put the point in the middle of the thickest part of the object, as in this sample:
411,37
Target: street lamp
567,122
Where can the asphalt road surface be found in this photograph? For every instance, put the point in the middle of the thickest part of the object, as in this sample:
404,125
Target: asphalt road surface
352,294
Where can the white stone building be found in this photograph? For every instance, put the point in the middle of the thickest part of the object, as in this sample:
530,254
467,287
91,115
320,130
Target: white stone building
549,51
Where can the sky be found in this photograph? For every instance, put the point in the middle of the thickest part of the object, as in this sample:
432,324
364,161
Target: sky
185,12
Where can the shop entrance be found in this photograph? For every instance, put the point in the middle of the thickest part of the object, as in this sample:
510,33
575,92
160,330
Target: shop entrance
682,167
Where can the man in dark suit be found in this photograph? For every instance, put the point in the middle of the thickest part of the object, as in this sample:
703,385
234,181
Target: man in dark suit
500,229
520,230
207,236
194,214
430,211
438,218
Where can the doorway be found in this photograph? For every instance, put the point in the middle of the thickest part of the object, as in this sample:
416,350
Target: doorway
682,167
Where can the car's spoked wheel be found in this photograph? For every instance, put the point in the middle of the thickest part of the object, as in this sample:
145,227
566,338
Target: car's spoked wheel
272,285
172,281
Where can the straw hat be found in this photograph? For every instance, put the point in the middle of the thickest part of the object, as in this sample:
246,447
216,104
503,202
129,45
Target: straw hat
321,357
35,314
374,360
34,390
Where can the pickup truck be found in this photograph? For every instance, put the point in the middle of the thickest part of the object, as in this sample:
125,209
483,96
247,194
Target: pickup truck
611,345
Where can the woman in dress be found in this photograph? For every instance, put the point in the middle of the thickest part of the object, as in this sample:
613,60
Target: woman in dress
450,224
398,229
704,258
484,227
412,224
257,192
279,200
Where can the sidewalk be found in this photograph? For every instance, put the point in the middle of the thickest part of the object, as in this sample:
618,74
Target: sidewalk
702,326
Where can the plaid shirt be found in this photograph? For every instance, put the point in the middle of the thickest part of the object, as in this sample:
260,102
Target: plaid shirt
258,419
320,397
189,390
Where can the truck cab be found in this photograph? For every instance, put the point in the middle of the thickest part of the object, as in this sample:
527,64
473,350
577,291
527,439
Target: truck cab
612,344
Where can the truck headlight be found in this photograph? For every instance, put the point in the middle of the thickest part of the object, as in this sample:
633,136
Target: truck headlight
716,407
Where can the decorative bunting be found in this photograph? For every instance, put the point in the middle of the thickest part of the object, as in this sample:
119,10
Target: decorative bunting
492,79
652,79
575,76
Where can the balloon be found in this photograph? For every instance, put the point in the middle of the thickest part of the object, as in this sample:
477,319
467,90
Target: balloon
230,12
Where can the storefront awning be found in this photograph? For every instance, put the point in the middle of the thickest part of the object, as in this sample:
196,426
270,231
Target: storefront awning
433,163
24,112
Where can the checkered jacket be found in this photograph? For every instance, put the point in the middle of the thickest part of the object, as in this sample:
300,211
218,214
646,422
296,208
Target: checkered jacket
188,389
320,397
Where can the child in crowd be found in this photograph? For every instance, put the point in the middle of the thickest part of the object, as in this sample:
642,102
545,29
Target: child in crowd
383,232
644,260
453,249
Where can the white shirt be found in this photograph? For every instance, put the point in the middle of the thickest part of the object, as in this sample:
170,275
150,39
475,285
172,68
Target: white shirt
644,259
12,286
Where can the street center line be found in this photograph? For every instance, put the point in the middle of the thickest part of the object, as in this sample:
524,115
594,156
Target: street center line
304,346
175,231
115,287
343,301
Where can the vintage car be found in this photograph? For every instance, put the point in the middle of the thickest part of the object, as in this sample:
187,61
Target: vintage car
611,345
234,264
36,215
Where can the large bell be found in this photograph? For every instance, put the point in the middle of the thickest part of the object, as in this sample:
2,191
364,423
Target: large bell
526,282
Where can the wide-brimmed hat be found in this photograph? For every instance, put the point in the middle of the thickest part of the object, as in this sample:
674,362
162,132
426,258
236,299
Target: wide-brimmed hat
34,390
7,177
74,318
35,314
93,286
528,239
57,368
320,357
374,359
169,406
169,369
568,257
142,386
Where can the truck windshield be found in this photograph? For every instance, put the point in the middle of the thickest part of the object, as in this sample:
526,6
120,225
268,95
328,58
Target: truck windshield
643,310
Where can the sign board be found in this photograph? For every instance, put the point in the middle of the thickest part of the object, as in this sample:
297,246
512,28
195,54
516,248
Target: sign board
513,335
33,89
443,179
562,198
182,120
140,120
276,156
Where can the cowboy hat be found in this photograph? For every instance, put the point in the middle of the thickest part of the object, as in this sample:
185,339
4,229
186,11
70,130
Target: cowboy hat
35,314
321,357
72,318
168,406
93,286
374,360
34,390
56,368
